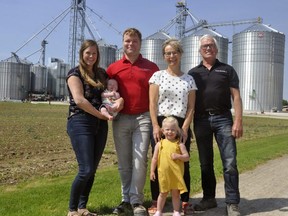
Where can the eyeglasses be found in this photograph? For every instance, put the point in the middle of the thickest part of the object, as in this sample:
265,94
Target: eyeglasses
167,54
205,46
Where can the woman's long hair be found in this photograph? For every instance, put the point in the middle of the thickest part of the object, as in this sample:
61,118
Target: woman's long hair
99,80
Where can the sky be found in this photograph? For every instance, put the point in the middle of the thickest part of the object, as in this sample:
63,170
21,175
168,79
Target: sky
21,21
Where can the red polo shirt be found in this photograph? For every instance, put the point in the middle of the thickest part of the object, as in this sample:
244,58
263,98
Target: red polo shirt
133,83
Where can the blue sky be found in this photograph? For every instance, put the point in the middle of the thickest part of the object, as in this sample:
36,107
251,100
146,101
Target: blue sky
21,20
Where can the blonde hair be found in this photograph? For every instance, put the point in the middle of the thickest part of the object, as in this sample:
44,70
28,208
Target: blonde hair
173,121
99,80
173,43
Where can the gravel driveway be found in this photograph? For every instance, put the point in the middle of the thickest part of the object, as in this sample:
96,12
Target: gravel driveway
264,191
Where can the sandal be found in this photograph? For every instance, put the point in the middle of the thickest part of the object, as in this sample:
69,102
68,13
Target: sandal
153,207
85,212
72,213
187,208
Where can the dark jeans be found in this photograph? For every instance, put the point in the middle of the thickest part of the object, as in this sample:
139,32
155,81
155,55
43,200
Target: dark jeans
221,127
154,185
88,137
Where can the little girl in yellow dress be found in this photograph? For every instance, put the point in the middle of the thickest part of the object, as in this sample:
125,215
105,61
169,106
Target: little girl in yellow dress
169,157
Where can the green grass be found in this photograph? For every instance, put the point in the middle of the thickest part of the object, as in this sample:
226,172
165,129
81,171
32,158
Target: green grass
43,129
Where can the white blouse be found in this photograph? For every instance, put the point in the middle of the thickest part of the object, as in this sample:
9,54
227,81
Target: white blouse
173,92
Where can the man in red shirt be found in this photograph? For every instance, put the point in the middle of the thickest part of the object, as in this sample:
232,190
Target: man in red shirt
131,128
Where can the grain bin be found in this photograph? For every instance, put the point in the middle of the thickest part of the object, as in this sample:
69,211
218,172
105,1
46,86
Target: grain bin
191,56
57,71
258,57
14,78
107,53
39,78
119,54
151,48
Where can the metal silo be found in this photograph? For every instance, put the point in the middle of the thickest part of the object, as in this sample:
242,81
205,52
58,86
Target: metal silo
57,78
191,56
258,57
14,79
107,54
151,48
39,81
119,54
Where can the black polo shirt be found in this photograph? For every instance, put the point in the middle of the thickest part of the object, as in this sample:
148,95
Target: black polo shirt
214,86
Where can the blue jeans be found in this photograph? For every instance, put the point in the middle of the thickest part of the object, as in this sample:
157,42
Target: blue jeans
221,127
88,137
132,137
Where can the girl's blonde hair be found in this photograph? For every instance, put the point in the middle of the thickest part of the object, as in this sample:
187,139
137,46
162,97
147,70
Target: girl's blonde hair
172,120
99,80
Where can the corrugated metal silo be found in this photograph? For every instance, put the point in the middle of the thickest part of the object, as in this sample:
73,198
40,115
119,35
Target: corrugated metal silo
151,48
14,79
119,54
107,54
57,78
258,57
191,56
40,78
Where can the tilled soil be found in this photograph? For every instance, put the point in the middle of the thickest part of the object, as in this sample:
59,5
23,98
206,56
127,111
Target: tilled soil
21,165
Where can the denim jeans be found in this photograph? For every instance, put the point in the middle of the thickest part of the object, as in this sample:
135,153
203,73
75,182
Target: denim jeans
132,136
154,185
221,127
88,137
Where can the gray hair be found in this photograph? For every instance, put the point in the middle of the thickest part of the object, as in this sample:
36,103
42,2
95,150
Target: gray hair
209,37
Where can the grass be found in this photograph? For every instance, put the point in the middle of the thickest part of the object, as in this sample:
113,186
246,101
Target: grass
36,154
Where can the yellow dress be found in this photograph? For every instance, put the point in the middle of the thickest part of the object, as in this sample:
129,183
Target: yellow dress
170,172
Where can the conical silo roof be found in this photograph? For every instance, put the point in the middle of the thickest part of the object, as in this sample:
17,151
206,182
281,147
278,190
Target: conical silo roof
205,31
16,59
260,27
158,35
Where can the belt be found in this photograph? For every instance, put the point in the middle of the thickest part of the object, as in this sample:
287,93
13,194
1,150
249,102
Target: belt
210,113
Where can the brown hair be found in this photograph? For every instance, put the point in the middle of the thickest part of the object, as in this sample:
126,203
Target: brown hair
99,80
133,32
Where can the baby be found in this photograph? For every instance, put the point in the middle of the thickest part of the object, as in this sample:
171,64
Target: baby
108,99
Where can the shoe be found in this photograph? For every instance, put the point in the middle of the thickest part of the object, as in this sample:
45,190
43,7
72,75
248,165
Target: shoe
139,210
72,213
153,208
158,213
85,212
205,204
233,210
176,213
187,208
122,207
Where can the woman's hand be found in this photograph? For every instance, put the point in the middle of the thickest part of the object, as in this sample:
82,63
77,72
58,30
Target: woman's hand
157,133
184,135
152,176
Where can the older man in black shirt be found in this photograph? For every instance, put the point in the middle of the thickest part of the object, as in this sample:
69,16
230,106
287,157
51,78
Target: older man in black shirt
217,83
